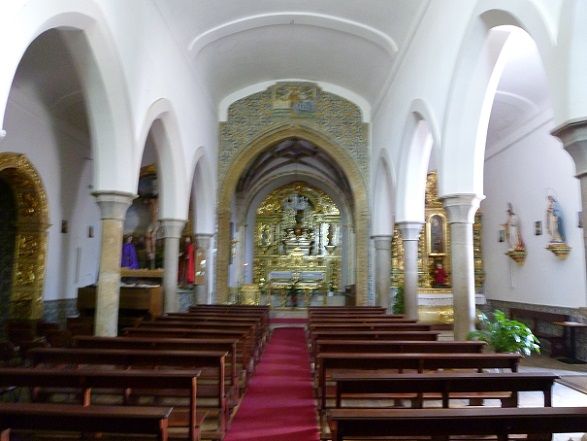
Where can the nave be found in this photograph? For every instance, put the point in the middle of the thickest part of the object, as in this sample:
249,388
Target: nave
223,374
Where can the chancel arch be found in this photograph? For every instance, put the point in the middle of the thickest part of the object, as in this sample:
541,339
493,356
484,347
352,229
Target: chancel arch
254,152
26,238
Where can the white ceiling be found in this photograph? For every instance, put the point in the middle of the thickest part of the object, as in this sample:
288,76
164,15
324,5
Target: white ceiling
237,43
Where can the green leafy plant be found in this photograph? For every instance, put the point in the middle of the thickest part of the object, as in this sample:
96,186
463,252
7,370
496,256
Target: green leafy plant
506,335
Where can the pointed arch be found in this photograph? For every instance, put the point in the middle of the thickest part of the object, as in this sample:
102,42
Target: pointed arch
242,161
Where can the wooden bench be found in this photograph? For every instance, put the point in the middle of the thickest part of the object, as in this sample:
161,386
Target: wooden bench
133,358
190,332
329,362
542,325
96,419
248,331
374,326
228,345
131,384
398,346
366,424
443,385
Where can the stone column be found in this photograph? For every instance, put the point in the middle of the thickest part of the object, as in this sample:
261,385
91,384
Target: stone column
170,230
203,242
573,135
382,269
113,206
410,232
461,209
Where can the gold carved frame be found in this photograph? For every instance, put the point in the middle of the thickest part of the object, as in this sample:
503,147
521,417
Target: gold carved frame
32,222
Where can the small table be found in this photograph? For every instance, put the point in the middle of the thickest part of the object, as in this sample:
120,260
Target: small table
571,326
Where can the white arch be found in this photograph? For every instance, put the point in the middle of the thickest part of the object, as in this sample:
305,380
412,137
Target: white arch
467,112
103,82
161,122
420,135
204,194
383,203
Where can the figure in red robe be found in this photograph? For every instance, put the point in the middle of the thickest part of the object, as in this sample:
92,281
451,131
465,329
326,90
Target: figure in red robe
187,263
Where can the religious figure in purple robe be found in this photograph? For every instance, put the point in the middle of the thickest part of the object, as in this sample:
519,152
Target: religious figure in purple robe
129,254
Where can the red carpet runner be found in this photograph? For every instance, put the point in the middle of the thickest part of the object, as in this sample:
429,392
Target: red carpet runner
278,405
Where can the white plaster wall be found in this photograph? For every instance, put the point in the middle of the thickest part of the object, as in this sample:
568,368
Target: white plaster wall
424,72
522,170
63,162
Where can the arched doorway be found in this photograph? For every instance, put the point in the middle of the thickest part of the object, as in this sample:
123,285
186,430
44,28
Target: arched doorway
29,214
338,157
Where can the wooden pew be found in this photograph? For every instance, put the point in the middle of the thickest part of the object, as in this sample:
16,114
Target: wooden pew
96,419
132,383
542,422
397,346
191,332
133,358
249,331
375,326
371,335
228,345
331,361
447,384
197,320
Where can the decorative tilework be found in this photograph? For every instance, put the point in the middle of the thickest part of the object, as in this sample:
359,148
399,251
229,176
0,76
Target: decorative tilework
336,117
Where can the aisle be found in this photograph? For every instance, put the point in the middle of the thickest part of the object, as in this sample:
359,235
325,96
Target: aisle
279,405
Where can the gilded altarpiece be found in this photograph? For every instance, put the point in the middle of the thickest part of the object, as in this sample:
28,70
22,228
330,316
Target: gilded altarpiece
434,247
297,232
30,235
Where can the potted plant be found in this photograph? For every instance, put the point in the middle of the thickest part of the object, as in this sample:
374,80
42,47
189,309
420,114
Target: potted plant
506,335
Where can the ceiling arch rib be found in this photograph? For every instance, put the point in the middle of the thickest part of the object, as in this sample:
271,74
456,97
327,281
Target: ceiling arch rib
289,18
294,156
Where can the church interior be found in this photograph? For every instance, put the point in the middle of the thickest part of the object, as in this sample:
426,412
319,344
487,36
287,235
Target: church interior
280,166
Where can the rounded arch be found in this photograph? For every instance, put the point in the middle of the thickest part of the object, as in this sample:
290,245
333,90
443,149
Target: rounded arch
468,108
104,85
383,201
239,165
203,191
161,123
32,222
419,138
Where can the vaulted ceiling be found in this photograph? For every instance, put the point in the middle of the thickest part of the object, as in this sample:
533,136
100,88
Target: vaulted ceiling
232,44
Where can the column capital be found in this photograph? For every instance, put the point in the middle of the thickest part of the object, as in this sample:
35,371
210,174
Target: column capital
171,228
113,204
382,241
203,240
573,135
410,230
461,207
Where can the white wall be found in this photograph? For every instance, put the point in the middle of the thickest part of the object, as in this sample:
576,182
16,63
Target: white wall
523,169
63,162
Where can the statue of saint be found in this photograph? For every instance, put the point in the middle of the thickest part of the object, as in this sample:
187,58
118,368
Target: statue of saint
129,254
187,265
554,220
513,233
